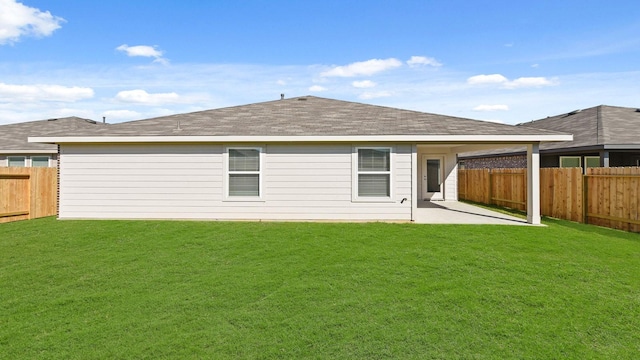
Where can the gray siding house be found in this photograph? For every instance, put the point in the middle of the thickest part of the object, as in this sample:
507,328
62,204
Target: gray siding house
16,150
304,158
603,136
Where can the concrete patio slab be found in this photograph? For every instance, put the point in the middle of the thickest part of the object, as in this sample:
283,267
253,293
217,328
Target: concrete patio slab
454,212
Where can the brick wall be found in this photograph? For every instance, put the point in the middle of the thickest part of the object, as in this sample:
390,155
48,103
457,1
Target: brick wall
497,162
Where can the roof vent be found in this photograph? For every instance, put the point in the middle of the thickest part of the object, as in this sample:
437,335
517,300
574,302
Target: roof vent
574,112
281,96
637,110
302,99
52,119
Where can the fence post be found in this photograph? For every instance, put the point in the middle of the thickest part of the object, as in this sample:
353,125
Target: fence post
490,185
585,196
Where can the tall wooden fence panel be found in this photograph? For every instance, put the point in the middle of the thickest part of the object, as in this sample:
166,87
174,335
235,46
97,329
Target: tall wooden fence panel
508,188
561,193
473,185
612,197
27,193
604,196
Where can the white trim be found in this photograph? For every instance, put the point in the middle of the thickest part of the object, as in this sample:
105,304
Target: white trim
533,184
440,195
42,156
355,173
414,182
591,157
260,172
28,152
263,139
24,160
570,157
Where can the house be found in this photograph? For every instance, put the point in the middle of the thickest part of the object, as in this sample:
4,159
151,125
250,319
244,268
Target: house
603,136
16,150
304,158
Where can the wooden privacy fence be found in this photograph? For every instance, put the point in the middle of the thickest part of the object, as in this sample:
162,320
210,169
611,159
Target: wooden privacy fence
604,196
28,193
502,187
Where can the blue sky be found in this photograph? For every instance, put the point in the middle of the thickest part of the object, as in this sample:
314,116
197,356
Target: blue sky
506,61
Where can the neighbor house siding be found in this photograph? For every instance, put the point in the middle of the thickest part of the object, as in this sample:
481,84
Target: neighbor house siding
186,181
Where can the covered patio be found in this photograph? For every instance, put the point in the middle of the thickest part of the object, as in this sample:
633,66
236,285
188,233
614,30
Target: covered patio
455,212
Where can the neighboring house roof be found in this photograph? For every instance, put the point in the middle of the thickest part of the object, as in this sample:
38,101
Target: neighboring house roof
599,127
14,137
306,118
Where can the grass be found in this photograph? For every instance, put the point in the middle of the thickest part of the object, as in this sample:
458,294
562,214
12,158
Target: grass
152,289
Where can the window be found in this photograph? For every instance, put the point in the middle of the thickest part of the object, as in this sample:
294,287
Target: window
373,173
570,161
39,161
243,172
17,161
592,161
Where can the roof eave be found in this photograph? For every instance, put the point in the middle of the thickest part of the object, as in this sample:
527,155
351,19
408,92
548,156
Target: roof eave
25,151
266,139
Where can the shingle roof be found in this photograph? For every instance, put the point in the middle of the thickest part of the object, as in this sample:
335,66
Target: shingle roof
306,116
593,127
13,137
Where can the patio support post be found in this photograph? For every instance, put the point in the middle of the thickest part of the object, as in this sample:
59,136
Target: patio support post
414,181
533,184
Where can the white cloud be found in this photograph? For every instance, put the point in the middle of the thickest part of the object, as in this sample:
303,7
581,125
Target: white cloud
317,88
365,68
487,79
17,20
143,51
144,98
363,84
43,92
491,108
422,60
375,95
522,82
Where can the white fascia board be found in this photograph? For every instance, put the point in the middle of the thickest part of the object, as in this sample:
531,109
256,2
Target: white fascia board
18,151
263,139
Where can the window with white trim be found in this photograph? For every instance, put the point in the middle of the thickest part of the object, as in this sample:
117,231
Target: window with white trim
373,172
16,161
570,161
39,161
244,172
592,161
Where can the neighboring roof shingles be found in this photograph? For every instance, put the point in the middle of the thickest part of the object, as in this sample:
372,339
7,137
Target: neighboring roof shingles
599,125
593,127
306,116
13,137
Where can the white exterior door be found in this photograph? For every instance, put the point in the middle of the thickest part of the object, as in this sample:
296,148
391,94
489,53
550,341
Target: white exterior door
432,177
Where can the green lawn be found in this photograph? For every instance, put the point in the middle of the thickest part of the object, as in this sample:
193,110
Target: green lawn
152,289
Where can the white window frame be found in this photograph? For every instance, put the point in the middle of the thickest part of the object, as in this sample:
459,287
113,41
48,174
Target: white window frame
570,157
24,160
591,157
40,156
356,173
260,173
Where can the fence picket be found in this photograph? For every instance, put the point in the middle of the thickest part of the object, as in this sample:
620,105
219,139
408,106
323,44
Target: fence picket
607,196
27,193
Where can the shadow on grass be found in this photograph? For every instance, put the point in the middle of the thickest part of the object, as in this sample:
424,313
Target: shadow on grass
587,228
